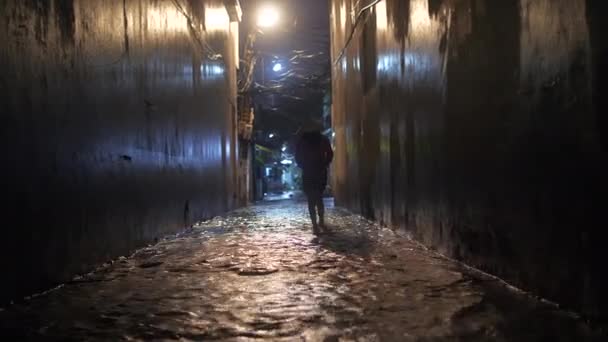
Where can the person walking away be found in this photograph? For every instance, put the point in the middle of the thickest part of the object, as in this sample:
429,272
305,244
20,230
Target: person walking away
313,155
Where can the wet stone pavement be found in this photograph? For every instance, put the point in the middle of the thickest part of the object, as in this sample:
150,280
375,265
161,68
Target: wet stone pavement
260,274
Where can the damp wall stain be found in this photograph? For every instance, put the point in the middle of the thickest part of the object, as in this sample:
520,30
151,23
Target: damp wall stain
477,129
116,130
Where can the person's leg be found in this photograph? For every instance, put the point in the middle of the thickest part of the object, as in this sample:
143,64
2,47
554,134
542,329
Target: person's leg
320,208
310,197
319,199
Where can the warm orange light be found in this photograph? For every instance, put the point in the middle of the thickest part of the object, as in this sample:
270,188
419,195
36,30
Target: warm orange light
420,18
217,19
268,16
381,16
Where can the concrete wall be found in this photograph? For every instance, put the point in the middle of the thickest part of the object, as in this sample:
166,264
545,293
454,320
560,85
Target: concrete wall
117,128
475,125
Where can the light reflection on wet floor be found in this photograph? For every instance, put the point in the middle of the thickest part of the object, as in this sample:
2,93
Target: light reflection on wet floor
259,273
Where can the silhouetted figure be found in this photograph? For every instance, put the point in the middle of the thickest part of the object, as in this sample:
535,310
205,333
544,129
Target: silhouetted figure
313,155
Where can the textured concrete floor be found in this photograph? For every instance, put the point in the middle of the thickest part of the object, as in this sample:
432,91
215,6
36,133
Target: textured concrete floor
259,273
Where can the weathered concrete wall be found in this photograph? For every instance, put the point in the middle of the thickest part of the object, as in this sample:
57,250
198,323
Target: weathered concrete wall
472,124
116,129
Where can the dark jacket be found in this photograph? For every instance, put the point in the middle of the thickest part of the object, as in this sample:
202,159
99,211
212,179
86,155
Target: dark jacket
314,153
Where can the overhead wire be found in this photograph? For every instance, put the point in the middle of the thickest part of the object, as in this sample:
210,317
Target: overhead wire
360,17
205,47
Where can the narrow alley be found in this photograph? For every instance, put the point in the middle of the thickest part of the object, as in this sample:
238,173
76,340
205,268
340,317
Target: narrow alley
259,273
165,165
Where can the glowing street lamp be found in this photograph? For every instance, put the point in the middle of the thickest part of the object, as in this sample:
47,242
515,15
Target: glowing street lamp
268,16
277,67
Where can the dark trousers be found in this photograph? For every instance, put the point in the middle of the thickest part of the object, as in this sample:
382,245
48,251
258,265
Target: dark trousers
314,184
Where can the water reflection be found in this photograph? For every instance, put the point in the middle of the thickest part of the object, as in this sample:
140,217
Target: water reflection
212,70
419,59
259,273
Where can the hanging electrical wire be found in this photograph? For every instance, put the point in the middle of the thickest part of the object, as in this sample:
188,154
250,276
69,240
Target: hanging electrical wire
207,49
360,18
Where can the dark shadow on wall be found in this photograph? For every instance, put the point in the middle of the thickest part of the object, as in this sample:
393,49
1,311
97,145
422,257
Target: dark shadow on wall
482,74
64,12
434,7
596,280
519,169
370,124
399,17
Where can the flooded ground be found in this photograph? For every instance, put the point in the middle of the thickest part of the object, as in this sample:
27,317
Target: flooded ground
260,273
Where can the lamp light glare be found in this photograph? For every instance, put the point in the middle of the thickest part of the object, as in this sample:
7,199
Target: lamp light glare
268,17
